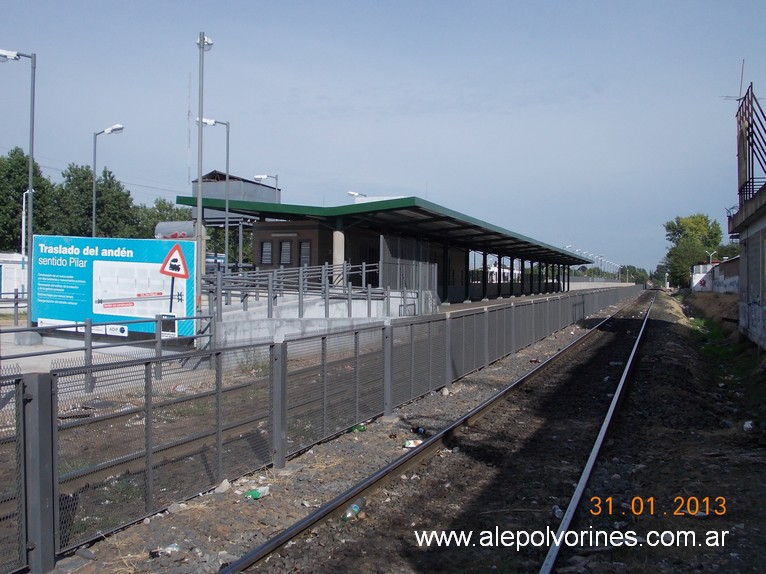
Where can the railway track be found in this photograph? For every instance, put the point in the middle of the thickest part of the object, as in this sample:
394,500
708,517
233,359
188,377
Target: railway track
512,465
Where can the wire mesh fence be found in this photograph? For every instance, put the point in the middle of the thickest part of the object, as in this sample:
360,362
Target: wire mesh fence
151,431
12,476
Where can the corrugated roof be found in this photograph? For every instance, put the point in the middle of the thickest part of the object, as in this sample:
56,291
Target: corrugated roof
408,216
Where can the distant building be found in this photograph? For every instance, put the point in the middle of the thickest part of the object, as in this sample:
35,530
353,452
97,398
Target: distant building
718,277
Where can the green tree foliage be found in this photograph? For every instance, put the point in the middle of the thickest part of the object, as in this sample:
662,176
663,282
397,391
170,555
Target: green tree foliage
692,238
14,180
69,207
697,226
116,216
634,274
162,210
65,208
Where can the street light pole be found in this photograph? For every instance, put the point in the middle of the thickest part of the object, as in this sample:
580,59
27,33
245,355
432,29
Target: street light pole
204,44
6,55
209,122
115,129
710,256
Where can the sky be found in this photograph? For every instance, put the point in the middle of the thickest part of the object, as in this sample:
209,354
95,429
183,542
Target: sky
585,124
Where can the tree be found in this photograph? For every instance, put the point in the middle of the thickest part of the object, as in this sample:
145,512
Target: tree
65,208
696,226
693,237
116,216
68,211
634,274
162,210
14,180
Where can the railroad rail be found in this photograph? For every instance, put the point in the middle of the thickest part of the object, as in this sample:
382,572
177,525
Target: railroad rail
496,413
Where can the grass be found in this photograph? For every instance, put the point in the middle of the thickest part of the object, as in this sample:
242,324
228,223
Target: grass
735,362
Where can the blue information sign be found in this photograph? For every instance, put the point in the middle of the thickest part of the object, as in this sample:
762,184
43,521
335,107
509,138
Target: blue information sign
112,280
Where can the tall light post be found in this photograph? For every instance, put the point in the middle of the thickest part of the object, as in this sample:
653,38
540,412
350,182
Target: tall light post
6,55
24,225
710,256
204,44
115,129
210,122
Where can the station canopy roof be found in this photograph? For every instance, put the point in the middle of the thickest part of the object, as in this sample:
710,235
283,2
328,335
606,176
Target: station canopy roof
406,216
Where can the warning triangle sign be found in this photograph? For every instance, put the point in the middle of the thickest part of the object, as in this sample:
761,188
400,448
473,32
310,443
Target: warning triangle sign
175,264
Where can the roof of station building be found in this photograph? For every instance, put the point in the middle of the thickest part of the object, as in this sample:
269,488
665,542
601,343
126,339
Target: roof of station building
407,216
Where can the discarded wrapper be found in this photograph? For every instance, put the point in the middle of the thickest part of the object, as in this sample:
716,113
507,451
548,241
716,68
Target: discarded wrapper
412,443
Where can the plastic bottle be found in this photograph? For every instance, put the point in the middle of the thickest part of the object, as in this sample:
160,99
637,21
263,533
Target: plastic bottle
359,428
354,509
257,493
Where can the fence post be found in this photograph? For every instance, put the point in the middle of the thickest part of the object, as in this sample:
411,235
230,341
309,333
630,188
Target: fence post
357,377
270,295
388,361
279,406
348,298
158,346
301,279
325,392
369,301
148,441
513,327
219,418
448,352
90,379
218,296
486,337
16,307
39,445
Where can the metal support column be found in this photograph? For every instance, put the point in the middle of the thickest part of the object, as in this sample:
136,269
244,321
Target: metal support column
388,362
39,444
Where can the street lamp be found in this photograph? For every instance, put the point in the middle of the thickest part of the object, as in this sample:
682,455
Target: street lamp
210,122
356,194
266,176
115,129
204,44
710,256
6,55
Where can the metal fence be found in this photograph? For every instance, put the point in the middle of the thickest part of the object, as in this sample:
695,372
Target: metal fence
12,469
160,430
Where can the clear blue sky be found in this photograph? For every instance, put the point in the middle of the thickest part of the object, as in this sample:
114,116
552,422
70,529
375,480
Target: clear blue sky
576,123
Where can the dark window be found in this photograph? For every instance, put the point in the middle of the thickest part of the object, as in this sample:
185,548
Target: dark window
266,253
285,252
305,252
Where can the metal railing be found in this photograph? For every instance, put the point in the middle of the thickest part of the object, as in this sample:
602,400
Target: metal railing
90,349
159,429
15,301
328,282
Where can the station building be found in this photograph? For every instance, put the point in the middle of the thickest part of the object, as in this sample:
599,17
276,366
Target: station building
415,244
